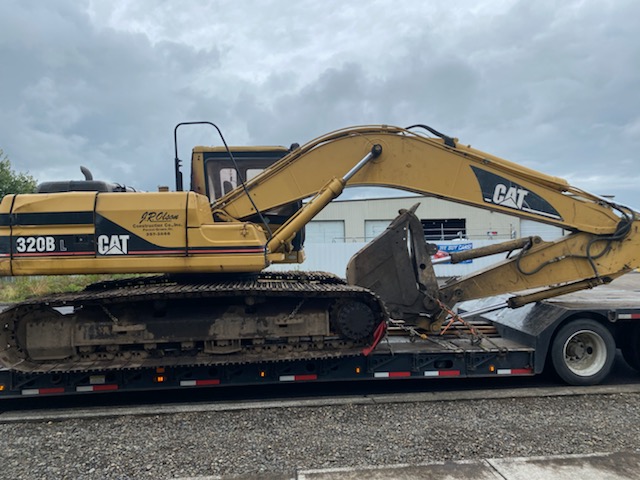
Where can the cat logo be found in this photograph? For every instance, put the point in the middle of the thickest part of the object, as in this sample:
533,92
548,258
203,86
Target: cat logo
511,197
501,191
113,244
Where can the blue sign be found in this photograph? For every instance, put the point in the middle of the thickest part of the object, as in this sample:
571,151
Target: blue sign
446,250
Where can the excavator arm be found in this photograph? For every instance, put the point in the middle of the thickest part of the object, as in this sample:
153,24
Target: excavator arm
603,244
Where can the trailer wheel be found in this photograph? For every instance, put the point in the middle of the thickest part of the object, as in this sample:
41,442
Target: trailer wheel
630,346
582,352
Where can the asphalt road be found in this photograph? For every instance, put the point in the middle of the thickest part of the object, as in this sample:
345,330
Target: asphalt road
512,431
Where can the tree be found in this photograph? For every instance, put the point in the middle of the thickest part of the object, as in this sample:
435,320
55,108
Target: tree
14,182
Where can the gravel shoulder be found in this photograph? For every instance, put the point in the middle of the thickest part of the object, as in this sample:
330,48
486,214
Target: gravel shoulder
262,441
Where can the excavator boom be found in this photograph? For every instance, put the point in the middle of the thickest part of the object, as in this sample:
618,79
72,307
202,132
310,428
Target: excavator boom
437,167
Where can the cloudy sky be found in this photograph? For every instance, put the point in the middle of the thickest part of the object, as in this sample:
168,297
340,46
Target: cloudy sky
552,85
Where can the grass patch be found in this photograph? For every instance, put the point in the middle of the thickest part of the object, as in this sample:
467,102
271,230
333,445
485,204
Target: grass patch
17,289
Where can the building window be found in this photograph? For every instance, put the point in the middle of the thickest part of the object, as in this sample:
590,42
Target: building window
444,228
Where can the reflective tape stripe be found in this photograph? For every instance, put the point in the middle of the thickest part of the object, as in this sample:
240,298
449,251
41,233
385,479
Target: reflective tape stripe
42,391
199,383
96,388
514,371
629,316
391,374
442,373
297,378
53,254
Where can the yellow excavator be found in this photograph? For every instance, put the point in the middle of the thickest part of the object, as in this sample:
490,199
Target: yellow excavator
209,300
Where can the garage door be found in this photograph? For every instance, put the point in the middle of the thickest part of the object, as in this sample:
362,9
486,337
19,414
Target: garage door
325,231
373,228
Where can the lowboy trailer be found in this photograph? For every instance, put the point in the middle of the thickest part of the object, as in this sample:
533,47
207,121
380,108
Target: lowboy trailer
576,334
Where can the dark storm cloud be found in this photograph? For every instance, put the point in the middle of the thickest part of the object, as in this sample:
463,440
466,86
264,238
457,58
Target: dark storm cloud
75,94
554,88
552,85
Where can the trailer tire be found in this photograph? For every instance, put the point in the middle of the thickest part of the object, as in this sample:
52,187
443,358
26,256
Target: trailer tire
583,352
630,346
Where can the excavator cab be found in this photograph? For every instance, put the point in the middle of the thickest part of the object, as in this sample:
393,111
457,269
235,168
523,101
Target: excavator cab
214,174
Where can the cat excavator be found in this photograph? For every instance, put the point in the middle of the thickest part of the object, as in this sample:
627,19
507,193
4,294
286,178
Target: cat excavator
201,294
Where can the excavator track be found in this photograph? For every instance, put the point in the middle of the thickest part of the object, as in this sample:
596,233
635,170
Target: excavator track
167,321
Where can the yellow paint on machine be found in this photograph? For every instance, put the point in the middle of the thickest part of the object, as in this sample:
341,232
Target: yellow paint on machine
125,233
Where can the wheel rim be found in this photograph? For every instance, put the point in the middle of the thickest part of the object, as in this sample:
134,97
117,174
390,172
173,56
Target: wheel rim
585,353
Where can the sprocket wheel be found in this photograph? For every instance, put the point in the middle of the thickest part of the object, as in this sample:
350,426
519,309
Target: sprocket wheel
353,320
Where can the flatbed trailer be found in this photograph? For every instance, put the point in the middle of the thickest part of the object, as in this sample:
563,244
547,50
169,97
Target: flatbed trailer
578,334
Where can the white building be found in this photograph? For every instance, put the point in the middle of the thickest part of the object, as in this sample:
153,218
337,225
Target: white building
344,227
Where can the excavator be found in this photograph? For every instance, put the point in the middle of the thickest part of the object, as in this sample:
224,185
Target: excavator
201,294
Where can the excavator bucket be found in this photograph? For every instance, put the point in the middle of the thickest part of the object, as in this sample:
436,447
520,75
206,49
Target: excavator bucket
397,266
